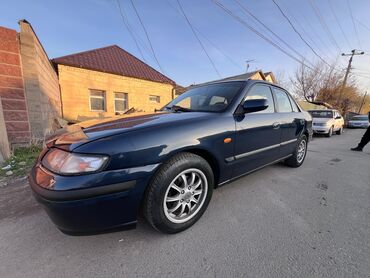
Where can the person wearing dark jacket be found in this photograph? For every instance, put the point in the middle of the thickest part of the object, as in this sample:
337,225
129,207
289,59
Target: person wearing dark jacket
365,139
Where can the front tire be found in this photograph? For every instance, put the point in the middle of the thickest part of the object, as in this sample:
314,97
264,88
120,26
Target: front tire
179,193
299,153
330,132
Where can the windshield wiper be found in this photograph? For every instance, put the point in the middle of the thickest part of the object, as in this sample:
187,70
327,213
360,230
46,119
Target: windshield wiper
178,108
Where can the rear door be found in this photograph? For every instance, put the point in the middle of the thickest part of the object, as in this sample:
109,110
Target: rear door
291,121
257,134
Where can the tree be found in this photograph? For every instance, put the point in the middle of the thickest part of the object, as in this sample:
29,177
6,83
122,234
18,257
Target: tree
322,85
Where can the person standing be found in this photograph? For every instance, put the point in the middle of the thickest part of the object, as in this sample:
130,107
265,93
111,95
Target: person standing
364,140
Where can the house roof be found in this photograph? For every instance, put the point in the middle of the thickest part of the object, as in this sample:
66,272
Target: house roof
245,76
115,60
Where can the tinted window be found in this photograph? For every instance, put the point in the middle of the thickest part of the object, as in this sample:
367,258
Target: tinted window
262,91
282,101
208,98
321,113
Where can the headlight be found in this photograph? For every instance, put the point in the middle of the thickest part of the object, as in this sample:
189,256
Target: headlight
63,162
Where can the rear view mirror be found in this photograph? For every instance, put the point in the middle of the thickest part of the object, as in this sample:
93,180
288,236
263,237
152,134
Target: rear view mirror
255,105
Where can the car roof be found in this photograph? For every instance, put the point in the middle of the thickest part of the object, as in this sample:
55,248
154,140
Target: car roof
247,81
358,116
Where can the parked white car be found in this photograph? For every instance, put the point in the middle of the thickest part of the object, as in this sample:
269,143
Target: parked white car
361,121
327,122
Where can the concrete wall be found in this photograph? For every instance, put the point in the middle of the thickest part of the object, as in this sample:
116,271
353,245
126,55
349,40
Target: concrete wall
41,83
12,88
76,82
4,143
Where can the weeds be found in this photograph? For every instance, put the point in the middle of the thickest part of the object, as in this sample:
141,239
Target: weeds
21,161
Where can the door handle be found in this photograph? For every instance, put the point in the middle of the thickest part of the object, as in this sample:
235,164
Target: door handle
276,125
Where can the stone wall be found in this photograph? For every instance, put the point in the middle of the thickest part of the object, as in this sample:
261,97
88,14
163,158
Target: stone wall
41,83
12,88
75,84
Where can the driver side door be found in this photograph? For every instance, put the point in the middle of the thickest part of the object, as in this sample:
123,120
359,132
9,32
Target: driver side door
257,134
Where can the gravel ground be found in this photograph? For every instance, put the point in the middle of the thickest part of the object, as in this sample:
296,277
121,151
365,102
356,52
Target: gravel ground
313,221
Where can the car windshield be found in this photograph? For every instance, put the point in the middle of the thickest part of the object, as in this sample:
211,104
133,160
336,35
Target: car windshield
321,114
360,118
208,98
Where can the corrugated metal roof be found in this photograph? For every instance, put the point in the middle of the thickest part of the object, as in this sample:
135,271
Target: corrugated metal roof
115,60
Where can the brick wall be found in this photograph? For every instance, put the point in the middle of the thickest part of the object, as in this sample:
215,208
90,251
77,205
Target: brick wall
41,83
12,88
76,82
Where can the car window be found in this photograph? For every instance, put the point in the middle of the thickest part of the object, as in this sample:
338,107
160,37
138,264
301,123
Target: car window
294,104
262,91
208,98
321,113
282,101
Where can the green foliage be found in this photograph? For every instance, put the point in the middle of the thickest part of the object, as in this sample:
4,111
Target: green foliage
21,161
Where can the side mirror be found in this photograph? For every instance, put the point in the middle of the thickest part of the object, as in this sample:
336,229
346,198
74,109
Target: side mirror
338,117
255,105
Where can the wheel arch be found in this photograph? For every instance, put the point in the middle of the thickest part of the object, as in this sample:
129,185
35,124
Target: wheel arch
210,158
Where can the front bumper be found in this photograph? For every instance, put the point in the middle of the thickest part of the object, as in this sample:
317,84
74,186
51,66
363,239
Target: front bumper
97,203
320,129
354,125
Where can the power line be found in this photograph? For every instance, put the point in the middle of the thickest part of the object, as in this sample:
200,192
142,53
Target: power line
237,18
323,24
363,25
128,27
304,30
196,36
354,24
248,12
298,33
338,22
147,36
208,40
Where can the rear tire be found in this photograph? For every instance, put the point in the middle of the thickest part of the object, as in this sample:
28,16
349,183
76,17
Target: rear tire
179,193
299,153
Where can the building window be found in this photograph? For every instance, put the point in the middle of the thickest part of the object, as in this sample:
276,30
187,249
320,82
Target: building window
120,102
155,99
97,100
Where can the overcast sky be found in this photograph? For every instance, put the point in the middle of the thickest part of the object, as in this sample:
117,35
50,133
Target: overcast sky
66,27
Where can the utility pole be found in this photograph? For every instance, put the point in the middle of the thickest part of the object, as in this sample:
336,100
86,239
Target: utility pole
248,61
353,53
362,103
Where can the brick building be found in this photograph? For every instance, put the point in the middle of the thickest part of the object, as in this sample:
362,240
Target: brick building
29,89
109,81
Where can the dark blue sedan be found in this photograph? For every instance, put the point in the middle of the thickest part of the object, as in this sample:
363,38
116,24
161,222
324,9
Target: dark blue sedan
98,175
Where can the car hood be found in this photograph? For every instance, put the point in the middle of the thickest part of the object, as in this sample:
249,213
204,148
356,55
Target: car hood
81,133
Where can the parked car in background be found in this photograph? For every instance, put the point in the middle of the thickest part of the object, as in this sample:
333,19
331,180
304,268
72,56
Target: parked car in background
327,122
360,121
97,175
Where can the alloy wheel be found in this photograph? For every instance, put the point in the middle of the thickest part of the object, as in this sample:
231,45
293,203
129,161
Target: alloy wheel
301,151
185,195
